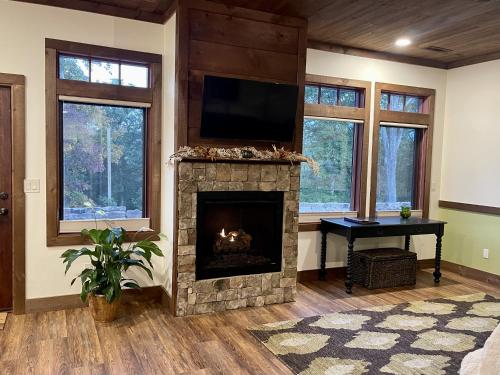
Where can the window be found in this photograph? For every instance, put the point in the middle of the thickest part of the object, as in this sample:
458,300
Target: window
402,148
103,161
334,136
396,168
88,69
331,144
401,102
103,132
332,95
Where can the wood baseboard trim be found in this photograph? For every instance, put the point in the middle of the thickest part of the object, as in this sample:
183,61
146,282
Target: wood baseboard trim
148,294
471,273
340,272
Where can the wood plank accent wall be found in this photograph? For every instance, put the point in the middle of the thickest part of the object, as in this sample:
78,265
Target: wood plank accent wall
214,39
218,40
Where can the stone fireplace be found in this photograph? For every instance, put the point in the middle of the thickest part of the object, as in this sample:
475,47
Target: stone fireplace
237,235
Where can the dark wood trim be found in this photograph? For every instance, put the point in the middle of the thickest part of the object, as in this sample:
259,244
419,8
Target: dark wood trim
153,95
18,134
469,207
111,53
102,8
153,294
471,273
425,157
102,90
340,272
301,77
360,162
309,227
323,110
170,11
409,90
153,162
353,51
404,117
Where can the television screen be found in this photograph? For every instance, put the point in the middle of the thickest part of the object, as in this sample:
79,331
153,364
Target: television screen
243,109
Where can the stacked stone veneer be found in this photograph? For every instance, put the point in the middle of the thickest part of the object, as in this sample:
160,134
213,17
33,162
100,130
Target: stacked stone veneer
228,293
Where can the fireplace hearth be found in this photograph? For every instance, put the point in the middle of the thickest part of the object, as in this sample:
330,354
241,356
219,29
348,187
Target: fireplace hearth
238,233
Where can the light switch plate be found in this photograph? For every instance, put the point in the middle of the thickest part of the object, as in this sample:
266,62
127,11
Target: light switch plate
32,186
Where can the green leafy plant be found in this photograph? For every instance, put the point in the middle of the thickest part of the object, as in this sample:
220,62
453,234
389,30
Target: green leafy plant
109,261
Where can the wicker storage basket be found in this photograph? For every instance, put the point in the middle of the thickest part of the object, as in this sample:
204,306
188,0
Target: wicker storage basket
384,268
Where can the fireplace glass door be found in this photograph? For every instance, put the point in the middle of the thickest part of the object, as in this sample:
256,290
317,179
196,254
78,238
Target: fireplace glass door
238,233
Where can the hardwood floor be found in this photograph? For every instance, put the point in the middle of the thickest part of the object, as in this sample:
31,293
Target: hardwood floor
146,340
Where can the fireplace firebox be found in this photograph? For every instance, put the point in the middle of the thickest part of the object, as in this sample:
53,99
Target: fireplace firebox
238,233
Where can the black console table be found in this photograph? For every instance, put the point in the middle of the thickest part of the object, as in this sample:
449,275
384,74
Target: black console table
386,227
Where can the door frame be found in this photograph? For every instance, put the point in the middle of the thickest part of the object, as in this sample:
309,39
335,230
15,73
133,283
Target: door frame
17,84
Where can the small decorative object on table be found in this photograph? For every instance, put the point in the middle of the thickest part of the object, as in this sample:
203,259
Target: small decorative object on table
103,280
405,212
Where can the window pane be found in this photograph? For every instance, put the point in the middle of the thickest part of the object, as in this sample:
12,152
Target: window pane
328,96
103,161
105,72
134,75
330,143
396,168
412,104
74,68
397,103
311,94
384,101
347,98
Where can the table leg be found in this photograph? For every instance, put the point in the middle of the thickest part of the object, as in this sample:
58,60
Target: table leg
407,242
350,254
322,271
437,271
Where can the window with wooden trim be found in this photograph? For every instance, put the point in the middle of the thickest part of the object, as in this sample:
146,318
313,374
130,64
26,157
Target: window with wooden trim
103,130
334,135
390,101
333,95
98,70
402,148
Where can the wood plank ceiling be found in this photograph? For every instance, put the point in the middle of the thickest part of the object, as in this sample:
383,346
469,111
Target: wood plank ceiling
444,33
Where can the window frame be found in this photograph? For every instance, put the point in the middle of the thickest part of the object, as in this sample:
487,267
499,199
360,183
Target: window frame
309,221
104,92
424,118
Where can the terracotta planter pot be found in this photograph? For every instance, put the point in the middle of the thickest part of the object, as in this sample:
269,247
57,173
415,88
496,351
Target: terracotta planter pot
101,310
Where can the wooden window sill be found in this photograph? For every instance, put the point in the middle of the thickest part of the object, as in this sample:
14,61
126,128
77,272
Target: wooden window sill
73,239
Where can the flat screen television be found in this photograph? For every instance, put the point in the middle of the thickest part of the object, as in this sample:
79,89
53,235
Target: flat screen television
244,109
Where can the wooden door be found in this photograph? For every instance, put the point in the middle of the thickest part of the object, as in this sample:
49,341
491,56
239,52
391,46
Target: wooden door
5,199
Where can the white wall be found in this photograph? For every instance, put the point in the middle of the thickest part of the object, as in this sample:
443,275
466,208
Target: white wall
471,154
23,29
353,67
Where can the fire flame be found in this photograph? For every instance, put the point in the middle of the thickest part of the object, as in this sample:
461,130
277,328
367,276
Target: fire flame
232,235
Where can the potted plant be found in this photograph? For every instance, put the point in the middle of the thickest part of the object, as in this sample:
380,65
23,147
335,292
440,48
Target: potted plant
102,283
405,212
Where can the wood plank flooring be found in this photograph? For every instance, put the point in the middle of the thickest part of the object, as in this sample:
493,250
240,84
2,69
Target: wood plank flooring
146,340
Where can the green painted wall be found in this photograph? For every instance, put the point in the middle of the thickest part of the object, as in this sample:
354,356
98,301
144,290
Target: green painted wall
465,237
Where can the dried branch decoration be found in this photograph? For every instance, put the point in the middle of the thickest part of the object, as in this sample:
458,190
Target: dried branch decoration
245,153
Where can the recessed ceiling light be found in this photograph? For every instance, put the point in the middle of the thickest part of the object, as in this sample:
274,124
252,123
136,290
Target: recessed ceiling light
403,42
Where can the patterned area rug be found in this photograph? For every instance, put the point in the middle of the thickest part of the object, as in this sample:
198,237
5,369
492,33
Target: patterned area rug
416,338
3,319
